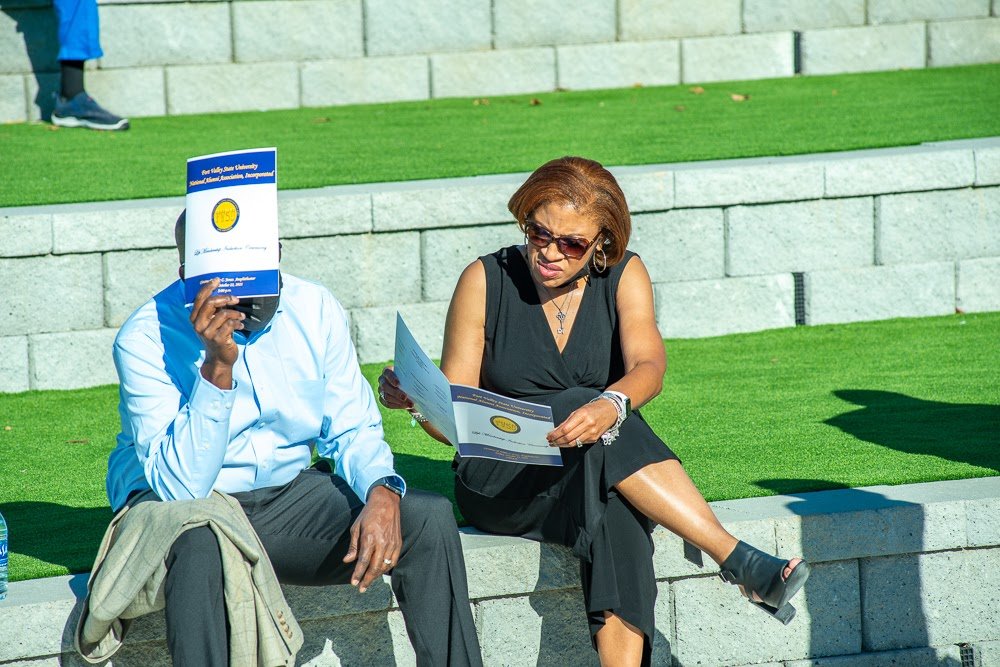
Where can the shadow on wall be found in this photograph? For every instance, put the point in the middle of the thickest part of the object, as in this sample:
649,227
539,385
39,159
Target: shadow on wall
889,593
963,432
38,27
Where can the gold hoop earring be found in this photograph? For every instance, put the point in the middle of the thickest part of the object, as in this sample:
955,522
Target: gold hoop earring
604,259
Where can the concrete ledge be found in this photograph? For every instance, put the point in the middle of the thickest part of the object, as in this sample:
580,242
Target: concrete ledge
978,285
142,35
400,27
881,292
13,103
229,87
899,579
691,309
740,57
964,42
274,30
988,166
365,80
517,23
941,225
26,235
770,15
720,238
475,52
656,19
506,72
680,245
897,11
618,65
14,372
749,183
864,49
813,235
901,173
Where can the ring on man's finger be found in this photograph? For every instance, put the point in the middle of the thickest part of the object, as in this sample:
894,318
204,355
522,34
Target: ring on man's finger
579,443
387,562
381,397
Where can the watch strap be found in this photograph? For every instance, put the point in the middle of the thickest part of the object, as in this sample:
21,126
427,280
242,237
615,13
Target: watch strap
391,482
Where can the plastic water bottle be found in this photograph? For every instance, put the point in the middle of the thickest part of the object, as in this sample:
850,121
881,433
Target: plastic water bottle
3,558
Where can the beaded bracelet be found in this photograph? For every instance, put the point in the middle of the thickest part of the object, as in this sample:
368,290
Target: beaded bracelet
416,417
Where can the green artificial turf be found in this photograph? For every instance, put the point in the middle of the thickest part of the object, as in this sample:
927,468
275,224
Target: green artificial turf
463,137
781,411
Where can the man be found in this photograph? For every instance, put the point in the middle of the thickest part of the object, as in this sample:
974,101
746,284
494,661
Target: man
79,41
212,397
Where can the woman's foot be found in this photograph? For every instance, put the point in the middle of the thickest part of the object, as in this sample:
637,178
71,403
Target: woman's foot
768,582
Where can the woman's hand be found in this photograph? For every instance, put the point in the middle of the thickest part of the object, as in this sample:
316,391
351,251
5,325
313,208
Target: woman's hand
389,393
585,424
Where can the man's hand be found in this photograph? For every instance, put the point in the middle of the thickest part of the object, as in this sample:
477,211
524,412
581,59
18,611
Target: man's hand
215,323
375,538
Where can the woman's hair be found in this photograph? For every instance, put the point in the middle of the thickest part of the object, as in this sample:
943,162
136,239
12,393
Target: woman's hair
586,186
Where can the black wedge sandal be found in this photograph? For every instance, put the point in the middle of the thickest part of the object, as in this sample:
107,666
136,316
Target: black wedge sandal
759,577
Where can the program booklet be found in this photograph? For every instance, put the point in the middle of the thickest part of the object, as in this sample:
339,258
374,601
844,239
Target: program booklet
476,422
232,223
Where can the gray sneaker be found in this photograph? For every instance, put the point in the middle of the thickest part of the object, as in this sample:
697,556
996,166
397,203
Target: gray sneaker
82,111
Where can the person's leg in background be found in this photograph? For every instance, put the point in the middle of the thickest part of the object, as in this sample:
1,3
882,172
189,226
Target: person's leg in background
79,41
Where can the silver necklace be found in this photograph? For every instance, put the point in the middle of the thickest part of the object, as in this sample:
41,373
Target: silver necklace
561,310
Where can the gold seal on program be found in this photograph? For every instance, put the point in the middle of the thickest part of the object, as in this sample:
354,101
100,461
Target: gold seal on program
504,424
225,215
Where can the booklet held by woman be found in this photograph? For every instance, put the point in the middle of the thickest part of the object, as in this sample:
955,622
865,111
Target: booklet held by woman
477,422
232,223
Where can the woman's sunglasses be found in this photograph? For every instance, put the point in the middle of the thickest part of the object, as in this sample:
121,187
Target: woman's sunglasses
573,247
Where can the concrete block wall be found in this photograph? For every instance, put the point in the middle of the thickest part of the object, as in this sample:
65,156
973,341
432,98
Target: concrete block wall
173,57
731,246
906,575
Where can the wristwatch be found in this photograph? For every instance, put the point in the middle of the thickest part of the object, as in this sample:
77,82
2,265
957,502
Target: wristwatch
391,482
624,400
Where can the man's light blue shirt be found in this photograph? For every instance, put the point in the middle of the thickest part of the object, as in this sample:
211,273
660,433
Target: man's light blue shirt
296,384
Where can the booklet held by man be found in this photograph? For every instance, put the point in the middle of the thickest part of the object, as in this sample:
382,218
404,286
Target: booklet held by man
477,422
231,231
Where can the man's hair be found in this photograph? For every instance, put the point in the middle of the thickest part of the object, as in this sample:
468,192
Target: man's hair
179,234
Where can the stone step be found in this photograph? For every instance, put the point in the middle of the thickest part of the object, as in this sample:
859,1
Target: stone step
901,575
875,234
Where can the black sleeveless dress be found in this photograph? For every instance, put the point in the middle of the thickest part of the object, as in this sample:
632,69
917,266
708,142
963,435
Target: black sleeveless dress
577,504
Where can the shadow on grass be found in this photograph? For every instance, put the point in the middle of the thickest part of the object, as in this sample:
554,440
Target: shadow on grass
429,475
962,432
56,534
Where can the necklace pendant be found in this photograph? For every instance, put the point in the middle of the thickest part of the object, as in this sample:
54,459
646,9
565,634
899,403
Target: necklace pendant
561,316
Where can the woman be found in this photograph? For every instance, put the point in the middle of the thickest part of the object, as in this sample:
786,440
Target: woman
567,320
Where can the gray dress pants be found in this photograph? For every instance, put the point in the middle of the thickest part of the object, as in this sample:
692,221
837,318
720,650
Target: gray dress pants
305,529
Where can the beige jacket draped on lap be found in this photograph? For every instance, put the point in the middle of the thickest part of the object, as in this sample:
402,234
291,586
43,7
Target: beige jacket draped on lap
128,578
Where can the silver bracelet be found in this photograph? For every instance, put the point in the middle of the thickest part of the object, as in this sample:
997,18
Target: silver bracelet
609,436
417,418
